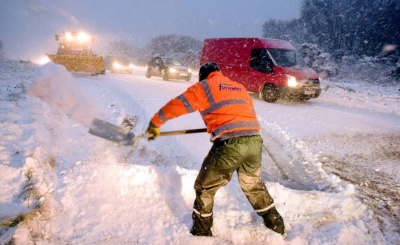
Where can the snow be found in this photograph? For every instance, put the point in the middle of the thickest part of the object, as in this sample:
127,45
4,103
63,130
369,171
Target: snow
56,86
331,164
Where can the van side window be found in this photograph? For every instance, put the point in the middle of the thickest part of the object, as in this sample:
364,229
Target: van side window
261,61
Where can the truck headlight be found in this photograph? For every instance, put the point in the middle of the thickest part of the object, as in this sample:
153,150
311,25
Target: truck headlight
68,36
83,37
291,80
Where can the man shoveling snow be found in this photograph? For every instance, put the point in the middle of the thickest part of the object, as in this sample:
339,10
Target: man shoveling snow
229,114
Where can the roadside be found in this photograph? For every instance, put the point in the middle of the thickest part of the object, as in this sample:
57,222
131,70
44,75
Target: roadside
373,169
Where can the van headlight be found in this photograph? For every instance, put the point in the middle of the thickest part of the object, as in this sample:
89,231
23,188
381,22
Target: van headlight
291,80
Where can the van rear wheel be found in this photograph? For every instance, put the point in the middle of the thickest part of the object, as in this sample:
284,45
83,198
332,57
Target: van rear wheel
270,93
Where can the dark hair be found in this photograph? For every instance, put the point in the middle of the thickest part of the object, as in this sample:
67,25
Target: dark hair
206,69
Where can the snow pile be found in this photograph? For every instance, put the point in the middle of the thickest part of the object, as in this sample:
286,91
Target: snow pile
26,176
56,86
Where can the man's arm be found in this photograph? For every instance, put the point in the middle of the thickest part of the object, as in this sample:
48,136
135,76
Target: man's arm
191,100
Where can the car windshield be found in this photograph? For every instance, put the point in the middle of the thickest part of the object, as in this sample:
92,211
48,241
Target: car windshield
284,57
174,62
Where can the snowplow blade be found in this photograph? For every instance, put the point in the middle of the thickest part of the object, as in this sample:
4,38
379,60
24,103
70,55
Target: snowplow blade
85,64
124,136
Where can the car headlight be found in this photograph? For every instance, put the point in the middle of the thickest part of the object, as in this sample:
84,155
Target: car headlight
190,70
292,81
43,60
172,70
116,65
131,65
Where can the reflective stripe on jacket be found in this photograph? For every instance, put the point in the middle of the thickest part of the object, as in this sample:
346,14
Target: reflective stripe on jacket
225,106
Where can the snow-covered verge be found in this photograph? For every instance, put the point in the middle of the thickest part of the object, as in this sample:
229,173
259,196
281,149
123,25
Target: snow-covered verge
78,189
382,69
27,164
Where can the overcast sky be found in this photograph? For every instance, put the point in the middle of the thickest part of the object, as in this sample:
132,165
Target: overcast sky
27,27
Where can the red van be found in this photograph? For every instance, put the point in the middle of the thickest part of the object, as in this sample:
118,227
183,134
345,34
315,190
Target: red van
270,67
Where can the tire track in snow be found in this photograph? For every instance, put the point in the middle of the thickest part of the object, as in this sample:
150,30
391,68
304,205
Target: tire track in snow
282,168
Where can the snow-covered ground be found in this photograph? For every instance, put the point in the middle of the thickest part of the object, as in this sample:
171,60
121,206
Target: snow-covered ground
331,164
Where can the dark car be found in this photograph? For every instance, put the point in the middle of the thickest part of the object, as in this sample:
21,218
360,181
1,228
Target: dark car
119,65
167,68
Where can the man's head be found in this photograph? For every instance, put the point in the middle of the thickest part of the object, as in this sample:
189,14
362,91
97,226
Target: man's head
206,69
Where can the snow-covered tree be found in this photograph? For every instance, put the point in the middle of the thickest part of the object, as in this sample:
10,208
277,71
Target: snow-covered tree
291,31
185,48
320,61
346,26
120,49
355,25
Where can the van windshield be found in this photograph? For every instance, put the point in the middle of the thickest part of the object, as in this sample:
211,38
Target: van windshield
284,57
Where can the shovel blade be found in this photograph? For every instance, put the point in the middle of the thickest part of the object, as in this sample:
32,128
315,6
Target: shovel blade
111,132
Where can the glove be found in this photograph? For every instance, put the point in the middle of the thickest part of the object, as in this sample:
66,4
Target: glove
154,131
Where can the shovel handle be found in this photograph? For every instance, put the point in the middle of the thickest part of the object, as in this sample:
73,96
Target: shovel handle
185,131
177,132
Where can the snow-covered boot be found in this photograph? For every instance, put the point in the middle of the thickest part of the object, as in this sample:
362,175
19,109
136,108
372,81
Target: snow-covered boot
274,221
201,225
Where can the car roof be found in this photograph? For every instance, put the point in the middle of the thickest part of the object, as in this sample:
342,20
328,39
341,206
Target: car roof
164,59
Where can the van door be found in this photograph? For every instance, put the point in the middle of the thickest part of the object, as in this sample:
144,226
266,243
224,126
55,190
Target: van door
260,71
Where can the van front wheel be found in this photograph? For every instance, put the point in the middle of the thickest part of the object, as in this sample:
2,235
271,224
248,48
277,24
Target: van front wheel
270,93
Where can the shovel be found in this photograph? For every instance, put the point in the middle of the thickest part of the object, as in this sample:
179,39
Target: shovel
124,136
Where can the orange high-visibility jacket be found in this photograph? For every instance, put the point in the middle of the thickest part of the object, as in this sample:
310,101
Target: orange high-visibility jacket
225,106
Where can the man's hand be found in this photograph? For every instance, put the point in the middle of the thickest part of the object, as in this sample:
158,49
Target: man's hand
154,131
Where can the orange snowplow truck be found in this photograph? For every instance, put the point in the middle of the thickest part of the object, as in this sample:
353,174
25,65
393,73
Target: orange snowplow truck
74,52
270,67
